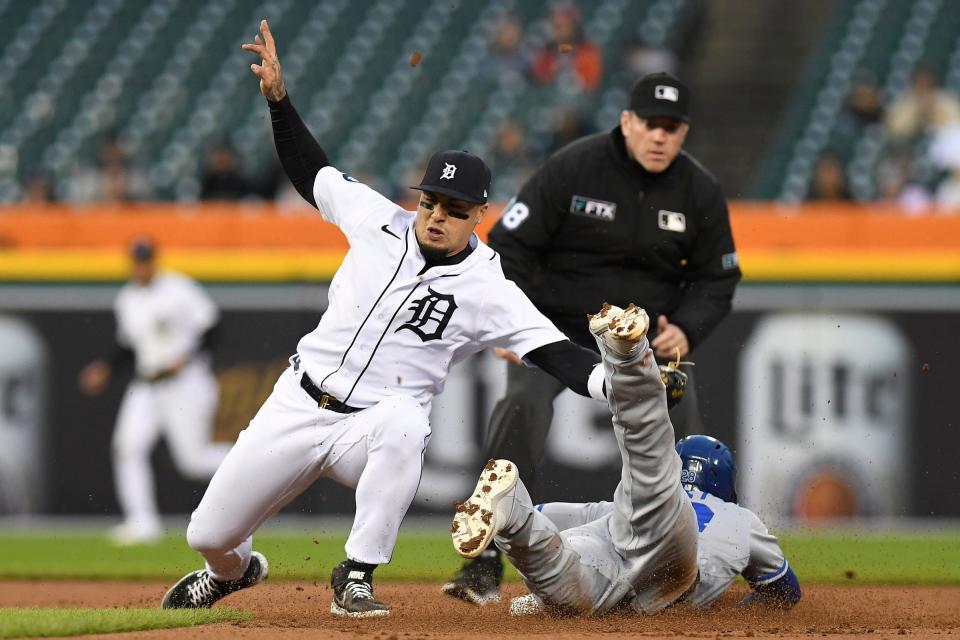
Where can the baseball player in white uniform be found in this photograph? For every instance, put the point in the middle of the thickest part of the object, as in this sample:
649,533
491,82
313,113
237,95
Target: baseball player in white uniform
416,293
733,541
642,552
165,322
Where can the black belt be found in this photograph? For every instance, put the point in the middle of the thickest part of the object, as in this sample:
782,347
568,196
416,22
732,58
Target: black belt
324,400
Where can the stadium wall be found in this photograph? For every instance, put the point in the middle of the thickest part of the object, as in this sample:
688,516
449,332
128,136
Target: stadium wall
831,378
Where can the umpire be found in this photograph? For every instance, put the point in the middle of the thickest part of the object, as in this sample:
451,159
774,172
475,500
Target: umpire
624,216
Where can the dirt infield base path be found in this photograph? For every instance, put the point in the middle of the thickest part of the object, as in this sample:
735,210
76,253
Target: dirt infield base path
292,610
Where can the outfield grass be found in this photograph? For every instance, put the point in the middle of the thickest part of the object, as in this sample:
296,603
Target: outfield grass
37,623
901,558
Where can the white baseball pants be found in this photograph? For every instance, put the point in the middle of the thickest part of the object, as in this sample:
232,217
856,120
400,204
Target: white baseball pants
181,408
291,443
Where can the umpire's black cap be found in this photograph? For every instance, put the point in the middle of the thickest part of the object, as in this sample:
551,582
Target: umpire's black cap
661,94
458,174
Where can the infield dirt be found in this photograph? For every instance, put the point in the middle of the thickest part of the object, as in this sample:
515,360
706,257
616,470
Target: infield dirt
292,610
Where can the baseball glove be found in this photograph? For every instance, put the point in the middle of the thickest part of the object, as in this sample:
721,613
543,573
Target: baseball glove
674,380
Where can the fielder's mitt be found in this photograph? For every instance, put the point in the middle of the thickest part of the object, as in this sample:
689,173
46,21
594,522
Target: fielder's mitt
674,380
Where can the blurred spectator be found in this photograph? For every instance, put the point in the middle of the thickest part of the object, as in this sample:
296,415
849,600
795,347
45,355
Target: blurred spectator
38,188
948,193
898,182
863,107
945,156
507,57
568,54
512,159
924,109
864,104
642,59
829,180
222,178
568,124
115,178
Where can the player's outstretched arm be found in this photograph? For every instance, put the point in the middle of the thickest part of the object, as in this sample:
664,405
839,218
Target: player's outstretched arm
300,154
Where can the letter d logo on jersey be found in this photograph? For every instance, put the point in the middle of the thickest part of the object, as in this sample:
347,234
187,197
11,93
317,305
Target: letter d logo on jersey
430,313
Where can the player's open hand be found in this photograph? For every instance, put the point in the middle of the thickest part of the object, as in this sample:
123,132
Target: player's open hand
271,77
509,356
94,377
669,339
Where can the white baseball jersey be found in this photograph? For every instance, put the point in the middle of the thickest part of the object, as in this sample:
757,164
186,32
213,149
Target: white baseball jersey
163,322
732,541
393,327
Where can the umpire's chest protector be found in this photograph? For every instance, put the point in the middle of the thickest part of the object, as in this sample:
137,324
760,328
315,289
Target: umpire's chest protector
622,217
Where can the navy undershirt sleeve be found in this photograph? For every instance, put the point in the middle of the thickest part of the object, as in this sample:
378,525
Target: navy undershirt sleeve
301,156
568,362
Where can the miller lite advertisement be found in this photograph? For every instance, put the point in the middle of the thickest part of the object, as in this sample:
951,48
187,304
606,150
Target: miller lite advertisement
825,417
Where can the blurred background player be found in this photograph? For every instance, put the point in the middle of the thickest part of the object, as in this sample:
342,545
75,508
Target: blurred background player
165,324
624,215
733,541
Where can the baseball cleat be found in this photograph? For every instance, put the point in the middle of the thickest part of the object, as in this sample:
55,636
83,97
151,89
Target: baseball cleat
479,518
198,589
478,581
620,329
527,605
600,321
353,594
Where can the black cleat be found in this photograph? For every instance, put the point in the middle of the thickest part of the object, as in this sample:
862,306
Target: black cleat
353,594
198,590
479,580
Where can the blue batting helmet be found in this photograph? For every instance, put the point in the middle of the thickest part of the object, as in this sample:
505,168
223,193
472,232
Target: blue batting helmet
707,464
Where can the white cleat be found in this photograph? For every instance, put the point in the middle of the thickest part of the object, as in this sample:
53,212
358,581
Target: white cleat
486,511
600,322
527,605
620,329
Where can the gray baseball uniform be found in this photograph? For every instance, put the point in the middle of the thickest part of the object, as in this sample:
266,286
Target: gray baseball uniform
640,552
733,541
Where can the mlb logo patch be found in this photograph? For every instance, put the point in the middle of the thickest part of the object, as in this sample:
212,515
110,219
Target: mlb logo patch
729,260
672,221
590,208
666,92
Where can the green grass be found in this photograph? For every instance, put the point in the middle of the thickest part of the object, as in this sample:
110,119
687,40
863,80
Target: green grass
421,556
917,558
35,623
828,557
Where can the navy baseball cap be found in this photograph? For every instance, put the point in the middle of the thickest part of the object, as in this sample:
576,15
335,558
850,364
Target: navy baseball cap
142,249
458,174
661,94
